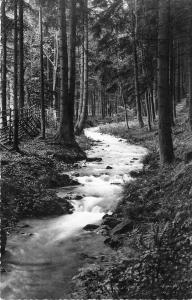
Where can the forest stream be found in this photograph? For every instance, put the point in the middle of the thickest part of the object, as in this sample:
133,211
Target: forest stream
43,257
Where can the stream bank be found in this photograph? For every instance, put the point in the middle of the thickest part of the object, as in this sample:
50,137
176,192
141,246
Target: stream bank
151,227
42,259
28,177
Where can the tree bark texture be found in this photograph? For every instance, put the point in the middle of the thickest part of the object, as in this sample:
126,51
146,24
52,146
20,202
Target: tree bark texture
15,104
190,71
64,132
42,97
72,63
165,136
4,64
136,73
21,57
83,112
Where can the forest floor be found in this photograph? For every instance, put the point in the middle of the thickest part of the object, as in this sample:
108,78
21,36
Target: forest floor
29,177
151,227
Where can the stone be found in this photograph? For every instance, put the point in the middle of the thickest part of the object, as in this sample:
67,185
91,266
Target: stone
91,159
78,197
90,227
25,226
123,227
109,168
55,180
76,174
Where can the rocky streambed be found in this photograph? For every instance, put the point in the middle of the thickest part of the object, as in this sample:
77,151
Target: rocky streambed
45,254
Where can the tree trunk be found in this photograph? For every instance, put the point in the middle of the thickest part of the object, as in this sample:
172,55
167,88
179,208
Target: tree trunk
178,73
125,107
42,75
21,57
190,72
64,132
171,78
15,104
148,110
4,64
83,115
72,63
81,80
136,76
165,136
55,66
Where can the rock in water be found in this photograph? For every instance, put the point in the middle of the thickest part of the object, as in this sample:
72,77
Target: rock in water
90,159
90,227
109,168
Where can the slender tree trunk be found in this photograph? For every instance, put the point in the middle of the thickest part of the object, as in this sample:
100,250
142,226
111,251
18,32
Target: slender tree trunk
165,136
42,75
80,125
174,84
190,72
81,80
152,103
55,66
178,73
148,110
125,107
15,104
171,77
136,73
21,57
72,64
4,63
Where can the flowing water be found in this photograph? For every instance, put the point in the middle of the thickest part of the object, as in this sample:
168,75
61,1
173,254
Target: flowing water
43,257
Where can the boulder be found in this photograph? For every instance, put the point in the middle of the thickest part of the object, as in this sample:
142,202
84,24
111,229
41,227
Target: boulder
55,180
109,168
77,197
90,227
123,227
76,174
90,159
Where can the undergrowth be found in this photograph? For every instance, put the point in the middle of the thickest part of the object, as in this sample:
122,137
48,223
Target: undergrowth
160,270
155,259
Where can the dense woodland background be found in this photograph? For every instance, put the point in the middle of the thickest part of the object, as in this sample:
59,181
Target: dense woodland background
67,65
79,59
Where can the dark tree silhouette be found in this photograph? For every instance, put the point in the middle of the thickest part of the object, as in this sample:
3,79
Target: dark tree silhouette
165,137
4,63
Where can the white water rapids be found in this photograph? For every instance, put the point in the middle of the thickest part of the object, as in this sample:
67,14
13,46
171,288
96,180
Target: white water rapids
42,260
